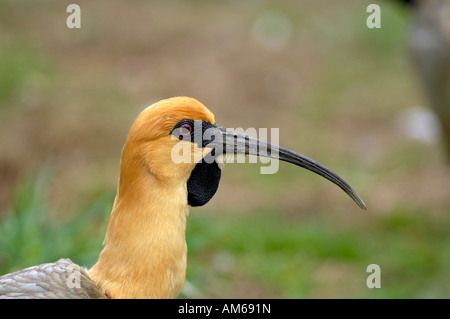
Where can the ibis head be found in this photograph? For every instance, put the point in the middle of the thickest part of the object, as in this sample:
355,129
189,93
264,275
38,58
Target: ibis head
178,140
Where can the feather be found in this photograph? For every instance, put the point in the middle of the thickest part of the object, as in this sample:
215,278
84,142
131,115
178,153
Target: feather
62,279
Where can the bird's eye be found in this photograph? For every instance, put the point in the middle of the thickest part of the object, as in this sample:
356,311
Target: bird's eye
185,129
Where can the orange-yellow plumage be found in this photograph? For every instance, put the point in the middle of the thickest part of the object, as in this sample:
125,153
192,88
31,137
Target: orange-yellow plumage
145,249
158,119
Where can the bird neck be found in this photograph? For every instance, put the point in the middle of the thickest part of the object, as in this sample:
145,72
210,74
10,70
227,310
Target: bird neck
144,254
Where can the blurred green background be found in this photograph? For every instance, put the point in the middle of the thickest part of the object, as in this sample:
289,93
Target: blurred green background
338,91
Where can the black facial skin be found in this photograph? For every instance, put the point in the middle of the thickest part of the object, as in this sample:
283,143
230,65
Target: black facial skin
196,134
205,177
203,183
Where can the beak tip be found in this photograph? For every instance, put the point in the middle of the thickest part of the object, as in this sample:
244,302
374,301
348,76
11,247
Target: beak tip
361,204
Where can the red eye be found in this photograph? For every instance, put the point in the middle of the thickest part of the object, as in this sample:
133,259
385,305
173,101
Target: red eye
185,129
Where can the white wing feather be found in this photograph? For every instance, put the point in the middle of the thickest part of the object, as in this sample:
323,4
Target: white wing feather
61,280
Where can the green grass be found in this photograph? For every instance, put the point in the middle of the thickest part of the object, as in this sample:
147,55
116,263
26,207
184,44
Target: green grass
22,72
411,248
32,234
292,258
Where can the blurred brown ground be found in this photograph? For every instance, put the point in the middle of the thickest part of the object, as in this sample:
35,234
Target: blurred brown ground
311,68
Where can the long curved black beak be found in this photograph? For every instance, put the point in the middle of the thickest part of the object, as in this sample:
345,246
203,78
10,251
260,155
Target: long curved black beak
229,141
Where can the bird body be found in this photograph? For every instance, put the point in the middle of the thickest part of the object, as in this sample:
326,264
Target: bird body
429,45
51,280
145,251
